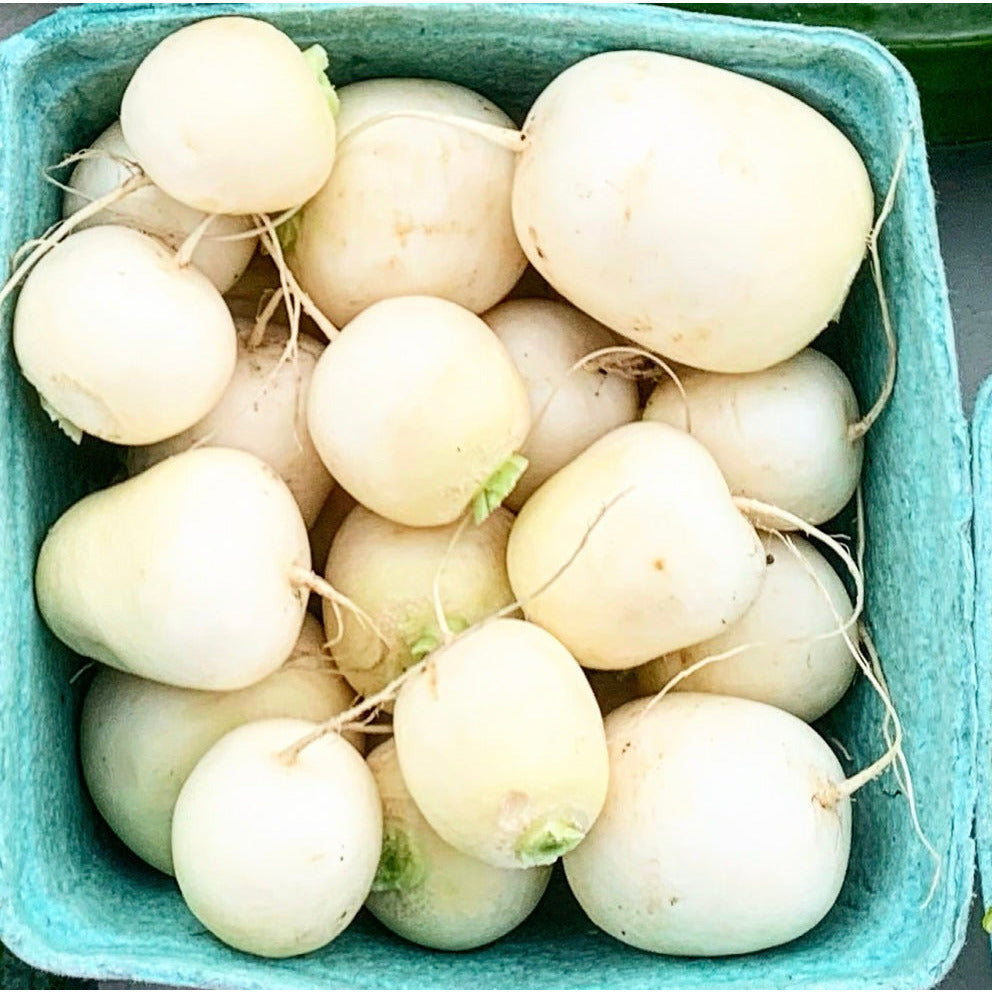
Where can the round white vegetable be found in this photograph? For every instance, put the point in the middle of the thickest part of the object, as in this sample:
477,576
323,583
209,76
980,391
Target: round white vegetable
154,212
228,116
262,413
781,435
412,207
183,574
500,743
707,215
119,340
719,834
668,561
388,570
800,600
570,409
139,740
427,387
275,857
428,892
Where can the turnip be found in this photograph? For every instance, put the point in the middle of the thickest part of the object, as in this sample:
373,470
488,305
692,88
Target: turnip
219,256
195,573
726,828
418,411
412,206
799,659
782,435
228,116
570,407
671,561
706,215
389,571
120,340
263,411
500,743
139,740
432,894
275,855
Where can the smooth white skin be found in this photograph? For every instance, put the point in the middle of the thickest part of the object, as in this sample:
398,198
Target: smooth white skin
262,413
500,742
545,340
787,668
139,740
670,562
336,507
432,894
780,435
706,215
274,857
226,116
411,206
414,406
388,570
181,574
119,340
712,840
154,212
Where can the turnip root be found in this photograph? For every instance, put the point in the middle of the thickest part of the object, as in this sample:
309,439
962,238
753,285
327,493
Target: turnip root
412,206
723,831
570,407
671,561
154,212
500,743
389,571
416,409
432,894
228,116
791,664
708,216
782,435
120,341
194,573
275,856
139,740
262,411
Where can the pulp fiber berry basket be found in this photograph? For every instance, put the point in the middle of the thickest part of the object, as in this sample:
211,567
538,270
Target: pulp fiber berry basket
73,900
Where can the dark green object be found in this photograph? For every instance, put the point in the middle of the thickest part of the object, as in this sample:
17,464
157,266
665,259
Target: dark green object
946,47
15,974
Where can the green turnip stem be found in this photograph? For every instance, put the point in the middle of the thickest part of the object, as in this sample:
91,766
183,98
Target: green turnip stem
399,867
259,229
64,228
860,428
497,487
546,840
505,137
316,58
431,638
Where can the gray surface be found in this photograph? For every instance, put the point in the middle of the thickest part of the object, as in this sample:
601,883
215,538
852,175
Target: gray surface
963,181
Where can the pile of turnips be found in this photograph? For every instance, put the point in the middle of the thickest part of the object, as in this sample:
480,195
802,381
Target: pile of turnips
318,358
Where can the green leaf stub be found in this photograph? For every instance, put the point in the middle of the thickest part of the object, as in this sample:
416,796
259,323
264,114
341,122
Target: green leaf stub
316,58
400,868
497,487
